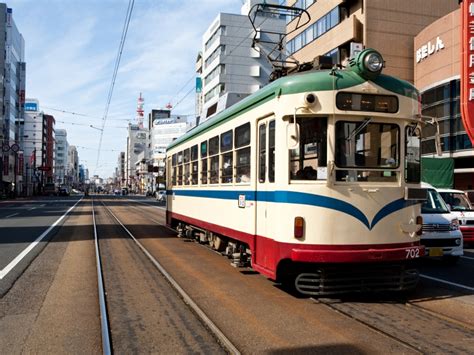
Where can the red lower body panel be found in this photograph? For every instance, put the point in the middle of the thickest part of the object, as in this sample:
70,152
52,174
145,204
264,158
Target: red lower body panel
267,253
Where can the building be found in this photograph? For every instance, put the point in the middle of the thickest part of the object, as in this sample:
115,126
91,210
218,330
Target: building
62,150
72,171
388,26
437,75
47,150
164,128
33,145
120,173
12,96
137,142
228,68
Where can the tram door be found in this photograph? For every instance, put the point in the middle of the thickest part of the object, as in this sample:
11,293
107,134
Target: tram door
264,191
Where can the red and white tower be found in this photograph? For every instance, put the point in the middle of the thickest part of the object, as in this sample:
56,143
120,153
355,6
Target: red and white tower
140,112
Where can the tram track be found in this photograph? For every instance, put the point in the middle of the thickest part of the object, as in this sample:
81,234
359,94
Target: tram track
140,301
420,329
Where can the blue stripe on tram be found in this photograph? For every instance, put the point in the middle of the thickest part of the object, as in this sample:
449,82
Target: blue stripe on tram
299,198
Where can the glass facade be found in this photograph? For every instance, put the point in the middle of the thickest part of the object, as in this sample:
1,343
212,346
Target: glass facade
442,103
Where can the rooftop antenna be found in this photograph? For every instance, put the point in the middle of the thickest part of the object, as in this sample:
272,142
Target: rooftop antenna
272,43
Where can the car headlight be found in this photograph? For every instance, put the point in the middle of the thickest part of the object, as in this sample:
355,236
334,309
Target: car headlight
454,225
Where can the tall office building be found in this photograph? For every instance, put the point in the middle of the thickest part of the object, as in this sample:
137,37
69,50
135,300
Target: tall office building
338,27
62,147
12,95
73,166
228,68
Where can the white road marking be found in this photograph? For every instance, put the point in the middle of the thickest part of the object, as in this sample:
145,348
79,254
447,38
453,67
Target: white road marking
467,257
448,282
31,209
14,214
25,252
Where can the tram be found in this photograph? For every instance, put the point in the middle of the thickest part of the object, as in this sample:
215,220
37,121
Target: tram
314,180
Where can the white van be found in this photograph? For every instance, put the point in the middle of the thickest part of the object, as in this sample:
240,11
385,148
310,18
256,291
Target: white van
441,234
462,208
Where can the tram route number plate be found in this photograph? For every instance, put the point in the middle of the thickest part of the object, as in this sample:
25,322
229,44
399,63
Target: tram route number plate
412,253
436,252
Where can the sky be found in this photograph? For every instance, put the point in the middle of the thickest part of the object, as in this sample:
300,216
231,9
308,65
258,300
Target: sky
70,51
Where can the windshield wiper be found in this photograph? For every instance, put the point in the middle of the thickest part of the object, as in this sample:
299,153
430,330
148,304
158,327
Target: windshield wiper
359,129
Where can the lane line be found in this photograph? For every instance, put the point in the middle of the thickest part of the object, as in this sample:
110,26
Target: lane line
31,209
25,252
467,257
14,214
448,282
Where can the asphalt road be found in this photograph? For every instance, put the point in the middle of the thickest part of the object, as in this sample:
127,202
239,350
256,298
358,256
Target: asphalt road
22,222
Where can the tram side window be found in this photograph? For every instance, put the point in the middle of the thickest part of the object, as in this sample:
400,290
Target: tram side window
262,152
194,164
180,168
412,151
242,153
227,157
271,151
175,169
204,162
309,160
214,160
187,172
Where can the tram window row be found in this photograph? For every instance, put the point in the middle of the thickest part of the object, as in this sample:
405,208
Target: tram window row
224,159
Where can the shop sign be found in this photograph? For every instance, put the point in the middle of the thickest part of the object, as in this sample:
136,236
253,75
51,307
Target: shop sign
428,49
467,67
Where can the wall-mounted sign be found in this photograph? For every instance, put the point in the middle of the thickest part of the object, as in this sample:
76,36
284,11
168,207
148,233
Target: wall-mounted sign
467,67
31,106
428,49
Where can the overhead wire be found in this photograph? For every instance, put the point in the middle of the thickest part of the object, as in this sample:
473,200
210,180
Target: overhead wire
114,75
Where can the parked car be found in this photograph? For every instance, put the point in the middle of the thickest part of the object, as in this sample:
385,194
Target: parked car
116,192
462,208
63,191
50,190
441,234
161,196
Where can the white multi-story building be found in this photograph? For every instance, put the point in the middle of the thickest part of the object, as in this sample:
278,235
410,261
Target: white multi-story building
62,152
229,69
164,128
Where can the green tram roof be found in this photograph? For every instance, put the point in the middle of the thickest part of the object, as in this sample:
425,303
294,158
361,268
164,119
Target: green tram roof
313,81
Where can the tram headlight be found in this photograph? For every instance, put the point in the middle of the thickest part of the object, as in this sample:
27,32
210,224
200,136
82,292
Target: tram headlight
373,62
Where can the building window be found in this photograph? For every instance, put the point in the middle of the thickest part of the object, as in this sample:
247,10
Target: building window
320,27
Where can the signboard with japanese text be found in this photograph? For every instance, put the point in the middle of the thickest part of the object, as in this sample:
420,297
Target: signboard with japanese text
467,67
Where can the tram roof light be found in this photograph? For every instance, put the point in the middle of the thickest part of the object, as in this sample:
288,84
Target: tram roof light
368,64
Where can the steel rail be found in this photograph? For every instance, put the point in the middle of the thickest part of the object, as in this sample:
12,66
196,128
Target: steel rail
106,345
226,343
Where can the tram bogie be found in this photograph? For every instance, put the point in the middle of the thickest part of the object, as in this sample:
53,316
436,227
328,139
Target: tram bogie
312,175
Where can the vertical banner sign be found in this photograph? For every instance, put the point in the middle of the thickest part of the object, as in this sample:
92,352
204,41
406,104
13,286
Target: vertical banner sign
467,67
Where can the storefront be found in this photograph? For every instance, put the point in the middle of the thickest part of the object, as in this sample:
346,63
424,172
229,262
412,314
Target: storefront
437,76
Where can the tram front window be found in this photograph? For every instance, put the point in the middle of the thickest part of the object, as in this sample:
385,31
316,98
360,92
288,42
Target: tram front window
367,151
308,160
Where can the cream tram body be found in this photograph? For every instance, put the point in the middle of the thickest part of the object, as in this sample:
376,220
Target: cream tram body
347,209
